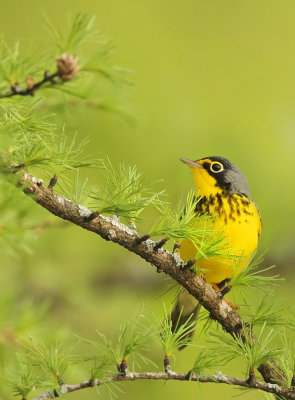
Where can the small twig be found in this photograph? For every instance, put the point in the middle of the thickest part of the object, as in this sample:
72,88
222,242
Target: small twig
59,380
167,366
19,166
53,182
30,89
188,264
92,216
225,290
123,367
160,244
189,375
142,239
252,378
166,363
176,247
218,377
132,225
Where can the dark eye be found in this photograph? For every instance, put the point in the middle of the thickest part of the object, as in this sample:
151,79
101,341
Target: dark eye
216,167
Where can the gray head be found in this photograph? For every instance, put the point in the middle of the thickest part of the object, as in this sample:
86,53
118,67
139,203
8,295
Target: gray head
228,177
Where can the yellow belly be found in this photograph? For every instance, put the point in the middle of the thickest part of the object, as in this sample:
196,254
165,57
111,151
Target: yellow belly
242,232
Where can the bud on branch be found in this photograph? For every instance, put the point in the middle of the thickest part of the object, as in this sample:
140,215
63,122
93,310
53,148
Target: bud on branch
67,66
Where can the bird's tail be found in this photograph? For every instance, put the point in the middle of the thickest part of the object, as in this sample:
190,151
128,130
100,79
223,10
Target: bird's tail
186,308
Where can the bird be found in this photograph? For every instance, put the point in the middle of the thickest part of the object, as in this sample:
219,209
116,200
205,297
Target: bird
223,194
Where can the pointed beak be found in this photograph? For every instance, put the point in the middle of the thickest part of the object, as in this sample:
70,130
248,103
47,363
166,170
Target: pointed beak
190,163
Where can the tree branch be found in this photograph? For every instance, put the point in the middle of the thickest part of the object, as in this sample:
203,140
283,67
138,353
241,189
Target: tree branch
31,86
110,228
66,70
218,377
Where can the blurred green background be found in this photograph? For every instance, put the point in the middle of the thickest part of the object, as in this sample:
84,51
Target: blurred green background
212,77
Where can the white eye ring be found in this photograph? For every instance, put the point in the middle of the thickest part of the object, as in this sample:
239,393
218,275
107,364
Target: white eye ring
216,163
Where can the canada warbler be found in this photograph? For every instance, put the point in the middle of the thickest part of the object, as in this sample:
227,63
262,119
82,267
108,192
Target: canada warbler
225,196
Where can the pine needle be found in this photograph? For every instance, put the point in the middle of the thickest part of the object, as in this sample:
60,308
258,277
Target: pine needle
52,360
132,341
184,224
16,64
205,360
24,382
56,153
18,117
253,352
123,193
251,276
286,360
267,308
81,31
174,339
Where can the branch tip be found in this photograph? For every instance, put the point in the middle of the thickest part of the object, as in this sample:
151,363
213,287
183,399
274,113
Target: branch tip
53,182
91,217
252,378
166,363
123,367
176,247
188,264
91,382
142,239
160,244
225,290
31,85
15,87
20,166
189,375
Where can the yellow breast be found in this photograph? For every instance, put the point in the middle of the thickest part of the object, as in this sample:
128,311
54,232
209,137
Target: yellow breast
239,220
